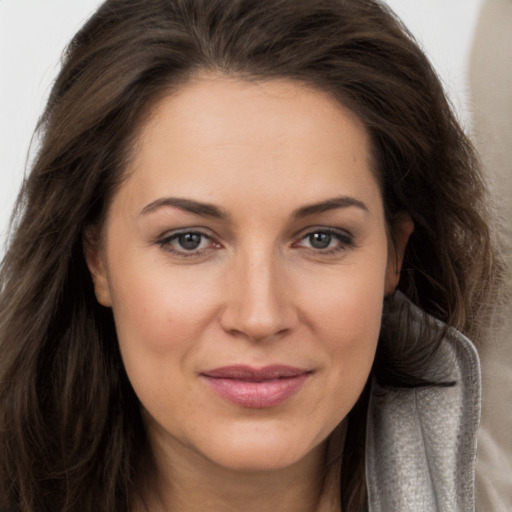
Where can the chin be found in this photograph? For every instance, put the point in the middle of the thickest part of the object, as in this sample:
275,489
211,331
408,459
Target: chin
261,449
259,460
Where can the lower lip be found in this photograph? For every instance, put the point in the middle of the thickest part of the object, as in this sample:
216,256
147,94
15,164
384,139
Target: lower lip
257,395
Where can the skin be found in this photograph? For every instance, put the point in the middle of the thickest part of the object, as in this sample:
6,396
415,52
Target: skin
257,290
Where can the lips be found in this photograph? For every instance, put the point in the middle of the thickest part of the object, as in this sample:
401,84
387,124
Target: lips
259,388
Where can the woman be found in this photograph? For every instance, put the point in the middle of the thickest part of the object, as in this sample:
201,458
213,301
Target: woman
203,305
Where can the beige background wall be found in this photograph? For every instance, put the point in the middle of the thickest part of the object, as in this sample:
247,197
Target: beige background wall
490,80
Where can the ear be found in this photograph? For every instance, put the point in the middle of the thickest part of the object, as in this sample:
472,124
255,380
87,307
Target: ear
95,260
400,232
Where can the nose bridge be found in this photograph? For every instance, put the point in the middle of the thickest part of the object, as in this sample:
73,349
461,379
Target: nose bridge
258,304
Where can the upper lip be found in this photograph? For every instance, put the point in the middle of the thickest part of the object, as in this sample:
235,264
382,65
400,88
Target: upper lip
253,374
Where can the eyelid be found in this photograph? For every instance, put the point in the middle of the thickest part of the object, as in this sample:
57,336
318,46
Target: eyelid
165,239
345,238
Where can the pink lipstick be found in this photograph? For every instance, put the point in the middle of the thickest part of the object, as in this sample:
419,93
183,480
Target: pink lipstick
256,388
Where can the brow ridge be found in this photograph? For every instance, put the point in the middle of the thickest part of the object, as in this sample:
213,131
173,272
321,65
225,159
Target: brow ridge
188,205
210,210
330,204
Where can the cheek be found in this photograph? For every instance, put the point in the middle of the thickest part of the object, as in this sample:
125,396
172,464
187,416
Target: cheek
352,341
346,316
352,353
349,302
156,309
161,321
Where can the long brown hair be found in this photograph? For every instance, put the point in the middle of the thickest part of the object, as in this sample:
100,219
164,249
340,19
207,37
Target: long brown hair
70,428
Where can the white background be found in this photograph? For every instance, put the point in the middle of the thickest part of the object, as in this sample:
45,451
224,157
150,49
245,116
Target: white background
33,34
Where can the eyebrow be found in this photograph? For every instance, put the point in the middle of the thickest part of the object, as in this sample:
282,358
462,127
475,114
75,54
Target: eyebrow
210,210
188,205
330,204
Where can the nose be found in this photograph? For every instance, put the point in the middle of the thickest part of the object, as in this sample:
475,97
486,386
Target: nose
259,301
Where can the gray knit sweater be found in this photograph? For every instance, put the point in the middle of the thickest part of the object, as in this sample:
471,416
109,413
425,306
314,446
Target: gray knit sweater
421,443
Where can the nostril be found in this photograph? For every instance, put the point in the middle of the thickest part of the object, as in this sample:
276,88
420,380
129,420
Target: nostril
257,323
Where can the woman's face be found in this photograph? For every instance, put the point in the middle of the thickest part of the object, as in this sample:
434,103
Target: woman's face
245,259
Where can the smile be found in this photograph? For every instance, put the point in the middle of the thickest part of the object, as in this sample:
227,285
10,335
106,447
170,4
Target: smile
256,388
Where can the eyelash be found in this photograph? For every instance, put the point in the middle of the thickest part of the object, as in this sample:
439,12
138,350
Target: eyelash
165,243
345,239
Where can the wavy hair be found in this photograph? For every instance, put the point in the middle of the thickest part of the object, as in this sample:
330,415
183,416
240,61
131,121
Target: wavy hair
71,433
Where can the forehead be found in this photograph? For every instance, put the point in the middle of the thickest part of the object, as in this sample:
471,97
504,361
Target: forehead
220,109
217,135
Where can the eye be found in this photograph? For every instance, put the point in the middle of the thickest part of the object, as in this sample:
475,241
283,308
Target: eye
320,240
325,241
187,243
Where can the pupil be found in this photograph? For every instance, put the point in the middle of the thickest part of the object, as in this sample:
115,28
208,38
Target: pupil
320,240
190,241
